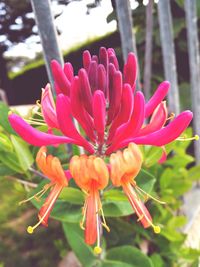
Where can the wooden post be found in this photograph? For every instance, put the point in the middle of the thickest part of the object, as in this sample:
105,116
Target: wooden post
194,61
47,32
168,51
148,49
127,36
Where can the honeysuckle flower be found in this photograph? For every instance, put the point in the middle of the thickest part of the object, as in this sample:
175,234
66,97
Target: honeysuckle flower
111,116
124,167
51,168
104,102
91,175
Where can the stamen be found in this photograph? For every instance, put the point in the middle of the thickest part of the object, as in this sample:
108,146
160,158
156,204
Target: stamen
30,229
146,195
172,115
104,224
84,216
38,195
35,122
183,138
156,228
97,248
38,103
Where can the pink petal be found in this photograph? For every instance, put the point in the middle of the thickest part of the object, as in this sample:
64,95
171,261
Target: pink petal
69,71
99,113
157,121
101,78
86,59
92,75
132,127
158,96
112,58
115,96
124,112
65,122
34,136
163,156
130,70
48,107
86,93
60,78
79,111
166,135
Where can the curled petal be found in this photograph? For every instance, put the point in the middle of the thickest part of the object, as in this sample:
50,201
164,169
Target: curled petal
112,58
60,78
125,111
79,111
157,121
48,107
33,136
166,135
132,127
65,122
156,99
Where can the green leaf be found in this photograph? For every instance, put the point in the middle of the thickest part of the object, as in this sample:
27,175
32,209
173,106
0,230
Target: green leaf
11,161
23,152
113,263
130,255
152,154
72,195
157,260
75,238
4,118
5,143
145,180
5,171
117,208
194,173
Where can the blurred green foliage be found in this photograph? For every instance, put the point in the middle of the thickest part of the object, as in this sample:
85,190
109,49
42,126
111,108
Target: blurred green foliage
128,244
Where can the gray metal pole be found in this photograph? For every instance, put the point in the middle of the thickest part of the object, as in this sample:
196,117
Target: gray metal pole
148,49
127,36
168,51
194,61
47,32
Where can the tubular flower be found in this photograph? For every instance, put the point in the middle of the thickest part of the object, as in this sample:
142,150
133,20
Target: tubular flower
103,101
91,175
112,116
51,168
124,167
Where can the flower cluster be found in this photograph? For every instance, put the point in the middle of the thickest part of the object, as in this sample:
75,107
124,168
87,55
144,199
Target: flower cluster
103,101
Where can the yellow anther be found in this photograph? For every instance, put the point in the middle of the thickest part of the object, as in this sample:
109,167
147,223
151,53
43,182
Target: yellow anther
82,225
156,229
183,138
196,137
10,112
106,227
30,229
97,250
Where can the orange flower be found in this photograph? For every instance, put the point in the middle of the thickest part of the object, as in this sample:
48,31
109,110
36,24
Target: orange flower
51,167
91,175
124,167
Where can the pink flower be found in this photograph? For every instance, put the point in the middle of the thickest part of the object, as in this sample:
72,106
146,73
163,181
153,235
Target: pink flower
104,102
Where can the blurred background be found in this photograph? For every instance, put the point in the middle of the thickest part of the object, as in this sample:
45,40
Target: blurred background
164,34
